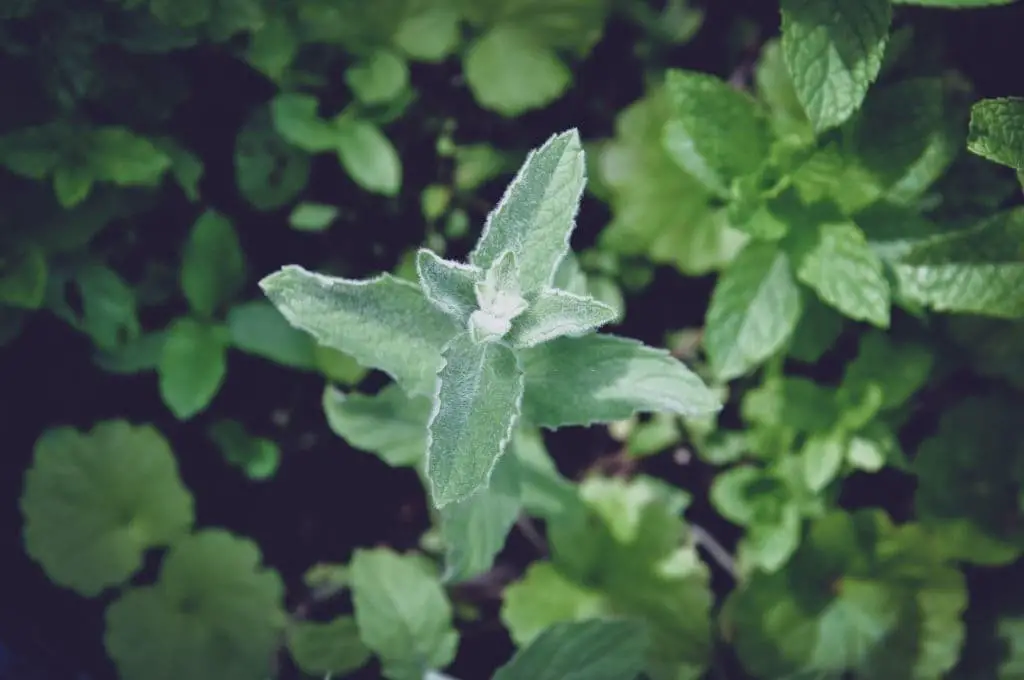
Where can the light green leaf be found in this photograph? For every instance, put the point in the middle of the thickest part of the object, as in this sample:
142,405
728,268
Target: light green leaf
478,400
94,502
212,265
596,650
296,119
537,213
192,366
450,286
331,648
268,170
120,156
379,78
430,35
257,457
510,72
369,157
557,313
716,133
389,424
258,328
603,378
544,597
753,312
979,270
135,356
312,216
834,52
847,274
215,613
997,130
402,612
384,322
822,456
474,529
23,277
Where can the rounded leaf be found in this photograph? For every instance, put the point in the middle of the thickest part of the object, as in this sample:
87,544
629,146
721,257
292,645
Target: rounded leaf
214,614
94,502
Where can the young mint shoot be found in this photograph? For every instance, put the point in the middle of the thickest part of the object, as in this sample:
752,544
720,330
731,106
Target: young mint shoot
493,341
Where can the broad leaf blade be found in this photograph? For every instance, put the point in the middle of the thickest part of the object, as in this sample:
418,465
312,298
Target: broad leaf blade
475,529
390,424
556,313
449,285
193,362
847,274
479,396
997,130
603,378
213,265
716,133
979,270
383,323
537,213
402,612
590,650
753,311
834,52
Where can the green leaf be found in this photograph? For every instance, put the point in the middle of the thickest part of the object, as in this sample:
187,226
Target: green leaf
603,378
907,136
817,331
369,157
72,184
753,312
23,279
312,216
997,130
979,270
402,612
598,650
822,456
257,457
215,613
474,529
847,274
477,404
296,119
429,35
557,313
537,213
716,133
94,502
834,52
379,78
212,265
331,648
384,322
450,286
544,597
899,369
389,424
135,356
258,328
510,72
120,156
109,307
268,170
192,366
273,47
659,211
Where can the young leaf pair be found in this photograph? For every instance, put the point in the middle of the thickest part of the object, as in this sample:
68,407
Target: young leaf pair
495,339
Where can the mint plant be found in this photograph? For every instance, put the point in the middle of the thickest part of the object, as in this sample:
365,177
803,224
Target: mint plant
493,339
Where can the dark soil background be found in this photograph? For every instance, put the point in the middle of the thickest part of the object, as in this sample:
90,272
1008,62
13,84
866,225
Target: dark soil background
327,498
